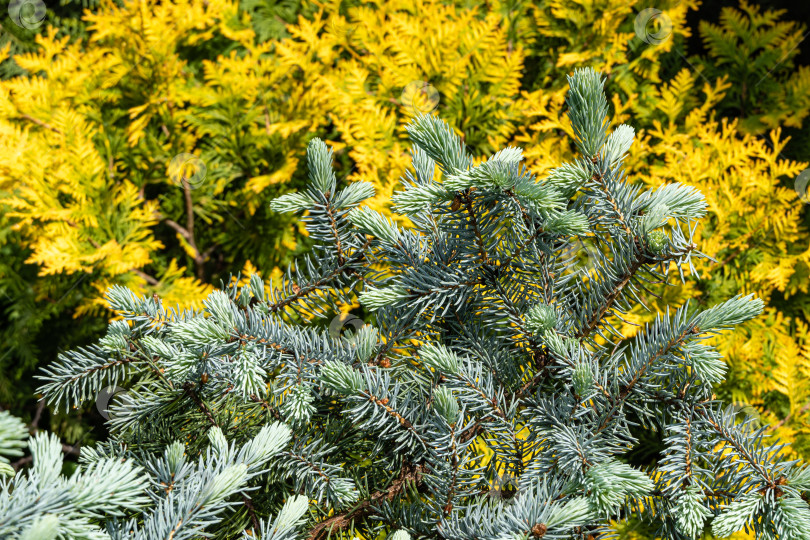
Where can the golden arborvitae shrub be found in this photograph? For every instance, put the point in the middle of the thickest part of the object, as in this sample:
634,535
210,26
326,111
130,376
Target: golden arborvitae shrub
106,177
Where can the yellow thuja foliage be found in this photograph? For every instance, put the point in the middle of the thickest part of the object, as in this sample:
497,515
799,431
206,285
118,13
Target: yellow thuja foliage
89,136
240,112
63,196
76,210
474,61
754,227
604,35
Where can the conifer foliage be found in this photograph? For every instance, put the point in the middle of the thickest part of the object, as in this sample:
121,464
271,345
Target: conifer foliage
493,354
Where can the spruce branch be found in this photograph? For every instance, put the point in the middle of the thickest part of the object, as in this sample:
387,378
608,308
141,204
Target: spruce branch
494,356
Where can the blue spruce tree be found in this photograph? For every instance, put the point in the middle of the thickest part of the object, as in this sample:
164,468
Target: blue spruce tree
490,397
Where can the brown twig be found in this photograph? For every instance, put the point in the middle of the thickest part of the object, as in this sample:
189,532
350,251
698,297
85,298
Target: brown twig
333,224
619,287
33,427
782,422
272,410
251,513
66,449
303,291
189,387
640,373
340,521
741,450
39,122
188,233
614,294
149,279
